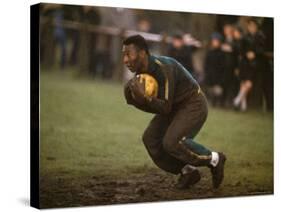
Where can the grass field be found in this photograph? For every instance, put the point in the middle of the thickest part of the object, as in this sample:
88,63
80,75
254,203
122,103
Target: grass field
91,151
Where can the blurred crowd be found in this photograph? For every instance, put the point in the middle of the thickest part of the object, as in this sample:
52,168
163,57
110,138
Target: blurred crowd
239,63
236,60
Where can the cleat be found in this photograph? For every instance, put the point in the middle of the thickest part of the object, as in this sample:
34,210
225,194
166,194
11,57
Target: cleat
188,179
218,171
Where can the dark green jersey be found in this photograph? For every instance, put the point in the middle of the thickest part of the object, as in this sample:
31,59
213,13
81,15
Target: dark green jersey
175,82
175,85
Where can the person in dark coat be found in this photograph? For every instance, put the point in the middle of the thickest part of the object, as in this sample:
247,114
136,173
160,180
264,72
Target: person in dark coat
60,36
237,47
87,58
229,64
267,76
252,60
182,52
214,70
237,51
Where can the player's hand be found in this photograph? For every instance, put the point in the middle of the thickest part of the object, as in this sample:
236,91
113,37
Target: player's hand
128,94
138,90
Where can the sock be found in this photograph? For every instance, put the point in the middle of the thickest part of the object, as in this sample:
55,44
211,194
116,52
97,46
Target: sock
215,159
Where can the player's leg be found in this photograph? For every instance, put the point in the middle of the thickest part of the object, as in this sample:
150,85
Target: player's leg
179,138
186,123
153,141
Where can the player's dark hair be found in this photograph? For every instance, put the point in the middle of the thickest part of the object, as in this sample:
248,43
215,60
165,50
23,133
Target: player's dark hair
138,41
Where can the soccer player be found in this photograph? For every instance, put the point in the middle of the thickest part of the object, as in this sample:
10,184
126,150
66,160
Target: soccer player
181,110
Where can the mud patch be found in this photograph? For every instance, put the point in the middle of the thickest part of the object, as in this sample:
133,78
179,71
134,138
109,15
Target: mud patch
151,186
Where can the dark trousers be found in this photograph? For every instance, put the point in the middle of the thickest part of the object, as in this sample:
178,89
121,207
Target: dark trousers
164,135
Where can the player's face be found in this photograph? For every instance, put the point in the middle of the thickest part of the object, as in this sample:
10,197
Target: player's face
132,58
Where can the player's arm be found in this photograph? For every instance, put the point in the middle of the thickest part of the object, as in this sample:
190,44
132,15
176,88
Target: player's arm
162,104
128,94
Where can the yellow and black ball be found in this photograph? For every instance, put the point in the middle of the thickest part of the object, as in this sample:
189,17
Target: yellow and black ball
151,85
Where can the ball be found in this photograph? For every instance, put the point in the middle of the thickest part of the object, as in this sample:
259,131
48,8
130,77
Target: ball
151,85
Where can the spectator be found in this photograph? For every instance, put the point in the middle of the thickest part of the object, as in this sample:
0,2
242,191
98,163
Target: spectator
144,25
181,52
252,59
237,51
73,13
47,40
267,76
60,36
229,56
214,70
88,42
237,46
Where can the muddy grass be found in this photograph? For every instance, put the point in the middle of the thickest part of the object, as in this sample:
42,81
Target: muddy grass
150,186
91,151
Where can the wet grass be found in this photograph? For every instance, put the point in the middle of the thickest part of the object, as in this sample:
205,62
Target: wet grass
86,130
